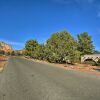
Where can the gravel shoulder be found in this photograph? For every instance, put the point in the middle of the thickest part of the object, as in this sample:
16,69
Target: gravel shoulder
94,70
3,62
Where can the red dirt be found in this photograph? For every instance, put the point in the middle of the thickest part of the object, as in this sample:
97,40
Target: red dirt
3,58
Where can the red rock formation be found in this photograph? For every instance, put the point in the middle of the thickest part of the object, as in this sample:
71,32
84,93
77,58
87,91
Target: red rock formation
5,47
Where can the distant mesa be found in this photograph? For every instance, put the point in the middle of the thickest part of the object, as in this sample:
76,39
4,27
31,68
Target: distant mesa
5,47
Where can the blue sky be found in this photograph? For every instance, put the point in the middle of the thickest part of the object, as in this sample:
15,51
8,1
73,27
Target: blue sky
21,20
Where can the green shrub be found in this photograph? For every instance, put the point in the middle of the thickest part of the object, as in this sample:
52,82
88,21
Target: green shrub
98,63
90,62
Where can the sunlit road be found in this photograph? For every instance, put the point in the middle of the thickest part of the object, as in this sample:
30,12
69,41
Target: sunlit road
27,80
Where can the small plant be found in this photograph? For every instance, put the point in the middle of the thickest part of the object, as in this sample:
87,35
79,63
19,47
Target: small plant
98,63
90,62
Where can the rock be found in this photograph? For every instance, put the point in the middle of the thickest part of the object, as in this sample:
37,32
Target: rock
5,47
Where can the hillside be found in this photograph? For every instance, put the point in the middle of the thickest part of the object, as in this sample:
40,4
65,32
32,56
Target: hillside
5,47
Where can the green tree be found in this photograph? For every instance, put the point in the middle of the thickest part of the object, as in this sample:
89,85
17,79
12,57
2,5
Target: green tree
30,46
61,47
8,53
39,52
2,52
13,53
85,43
96,52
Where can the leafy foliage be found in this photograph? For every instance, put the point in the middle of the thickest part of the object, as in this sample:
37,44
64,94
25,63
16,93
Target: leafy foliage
60,47
96,52
2,52
13,53
85,44
97,63
30,46
38,52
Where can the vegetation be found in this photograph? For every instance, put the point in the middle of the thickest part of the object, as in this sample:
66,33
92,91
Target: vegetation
2,52
30,47
96,52
61,47
85,44
13,53
98,63
90,62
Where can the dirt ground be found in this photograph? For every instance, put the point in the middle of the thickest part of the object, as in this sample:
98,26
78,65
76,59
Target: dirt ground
3,61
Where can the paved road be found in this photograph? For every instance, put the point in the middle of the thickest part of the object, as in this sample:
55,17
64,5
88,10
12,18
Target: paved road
27,80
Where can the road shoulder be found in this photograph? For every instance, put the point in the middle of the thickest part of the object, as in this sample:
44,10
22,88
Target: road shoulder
78,67
3,62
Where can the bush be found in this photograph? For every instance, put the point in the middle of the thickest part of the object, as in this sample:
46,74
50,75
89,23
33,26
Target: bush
98,63
90,62
62,45
93,63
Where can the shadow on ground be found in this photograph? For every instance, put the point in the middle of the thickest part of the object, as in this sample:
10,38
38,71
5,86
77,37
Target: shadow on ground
97,69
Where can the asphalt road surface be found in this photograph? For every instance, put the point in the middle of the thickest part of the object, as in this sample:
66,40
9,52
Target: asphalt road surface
28,80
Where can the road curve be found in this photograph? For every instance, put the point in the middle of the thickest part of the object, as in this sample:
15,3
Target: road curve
27,80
